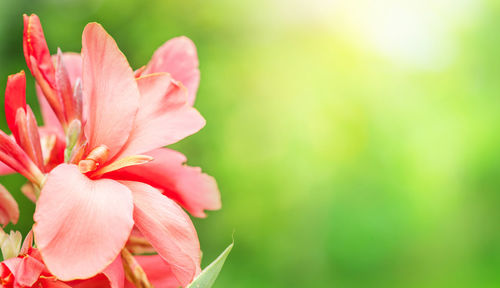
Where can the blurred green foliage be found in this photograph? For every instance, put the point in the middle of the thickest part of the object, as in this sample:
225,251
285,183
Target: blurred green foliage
339,166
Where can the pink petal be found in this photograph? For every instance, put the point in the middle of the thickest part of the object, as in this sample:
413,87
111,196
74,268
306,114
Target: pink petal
177,57
163,117
188,186
168,228
158,271
110,88
9,211
81,221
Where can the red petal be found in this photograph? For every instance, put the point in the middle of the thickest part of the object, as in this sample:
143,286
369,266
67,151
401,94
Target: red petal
15,98
35,46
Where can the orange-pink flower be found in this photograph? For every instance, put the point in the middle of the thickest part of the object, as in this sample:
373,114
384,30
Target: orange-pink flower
97,167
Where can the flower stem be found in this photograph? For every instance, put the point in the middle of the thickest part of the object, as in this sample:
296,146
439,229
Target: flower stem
133,271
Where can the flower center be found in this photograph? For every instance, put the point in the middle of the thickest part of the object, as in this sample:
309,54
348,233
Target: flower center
96,157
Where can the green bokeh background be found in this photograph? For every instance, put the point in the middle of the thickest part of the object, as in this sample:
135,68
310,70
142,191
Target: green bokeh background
354,144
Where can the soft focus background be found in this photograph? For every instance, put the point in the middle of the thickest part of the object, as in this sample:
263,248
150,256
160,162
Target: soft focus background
355,143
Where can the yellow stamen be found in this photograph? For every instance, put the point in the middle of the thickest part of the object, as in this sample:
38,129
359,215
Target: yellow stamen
123,162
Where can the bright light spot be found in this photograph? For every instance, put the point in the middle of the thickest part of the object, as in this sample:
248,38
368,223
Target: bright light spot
420,34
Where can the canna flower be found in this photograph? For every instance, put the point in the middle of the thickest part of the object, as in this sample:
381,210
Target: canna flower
109,124
188,186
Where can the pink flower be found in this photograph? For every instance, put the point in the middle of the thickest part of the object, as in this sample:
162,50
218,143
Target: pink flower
108,124
114,124
186,185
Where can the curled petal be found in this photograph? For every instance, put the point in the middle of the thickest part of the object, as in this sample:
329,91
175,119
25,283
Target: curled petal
168,228
177,57
9,211
86,223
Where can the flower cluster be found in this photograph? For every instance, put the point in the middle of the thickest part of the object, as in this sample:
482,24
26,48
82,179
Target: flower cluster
109,198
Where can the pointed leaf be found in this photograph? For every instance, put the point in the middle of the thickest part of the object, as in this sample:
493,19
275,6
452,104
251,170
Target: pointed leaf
208,276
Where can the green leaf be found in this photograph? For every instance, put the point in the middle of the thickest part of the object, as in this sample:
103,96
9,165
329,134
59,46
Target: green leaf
207,277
